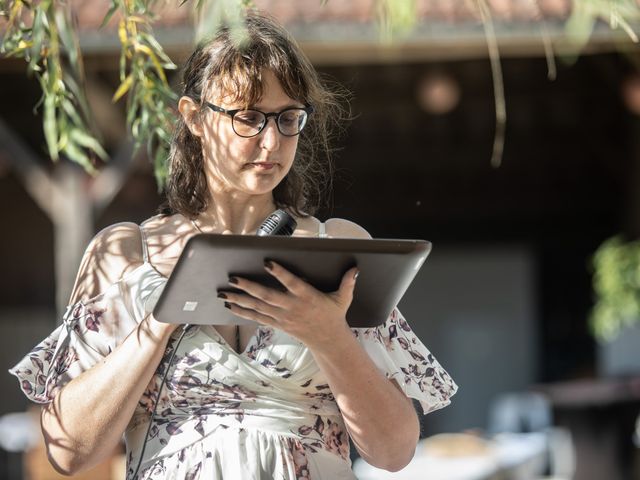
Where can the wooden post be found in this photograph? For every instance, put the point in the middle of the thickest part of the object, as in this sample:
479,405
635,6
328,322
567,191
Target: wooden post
70,199
73,228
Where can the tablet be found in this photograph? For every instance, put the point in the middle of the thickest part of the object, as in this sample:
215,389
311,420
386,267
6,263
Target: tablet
387,268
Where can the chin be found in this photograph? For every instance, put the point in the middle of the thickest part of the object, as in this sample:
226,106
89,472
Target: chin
262,183
261,188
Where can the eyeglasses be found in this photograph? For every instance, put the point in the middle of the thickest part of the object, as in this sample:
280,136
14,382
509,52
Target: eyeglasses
249,123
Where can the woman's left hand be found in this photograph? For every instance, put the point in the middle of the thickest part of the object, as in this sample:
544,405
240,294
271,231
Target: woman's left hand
302,311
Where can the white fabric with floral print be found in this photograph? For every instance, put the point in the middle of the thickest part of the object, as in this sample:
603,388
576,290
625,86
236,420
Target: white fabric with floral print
264,413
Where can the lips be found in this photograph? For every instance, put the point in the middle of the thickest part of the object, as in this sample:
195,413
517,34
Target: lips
263,165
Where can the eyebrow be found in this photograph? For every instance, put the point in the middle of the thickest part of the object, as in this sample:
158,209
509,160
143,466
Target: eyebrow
291,105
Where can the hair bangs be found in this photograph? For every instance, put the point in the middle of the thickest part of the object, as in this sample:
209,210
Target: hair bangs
238,76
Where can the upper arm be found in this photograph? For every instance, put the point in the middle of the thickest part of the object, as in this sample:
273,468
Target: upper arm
341,228
110,255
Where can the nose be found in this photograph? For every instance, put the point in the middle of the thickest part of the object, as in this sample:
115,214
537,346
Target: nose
270,136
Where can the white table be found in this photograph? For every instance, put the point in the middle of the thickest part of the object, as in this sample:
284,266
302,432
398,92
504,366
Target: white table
510,456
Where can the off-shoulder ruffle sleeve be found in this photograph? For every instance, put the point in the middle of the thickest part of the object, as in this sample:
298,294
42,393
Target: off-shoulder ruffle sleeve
90,330
401,356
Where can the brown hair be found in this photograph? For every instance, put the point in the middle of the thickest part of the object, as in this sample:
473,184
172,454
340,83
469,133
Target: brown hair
235,67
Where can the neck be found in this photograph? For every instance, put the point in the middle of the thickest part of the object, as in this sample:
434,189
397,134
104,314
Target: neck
240,215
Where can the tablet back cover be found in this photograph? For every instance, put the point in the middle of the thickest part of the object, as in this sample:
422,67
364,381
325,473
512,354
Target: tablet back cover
387,268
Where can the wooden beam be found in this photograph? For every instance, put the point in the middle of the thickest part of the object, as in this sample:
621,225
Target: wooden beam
112,177
27,165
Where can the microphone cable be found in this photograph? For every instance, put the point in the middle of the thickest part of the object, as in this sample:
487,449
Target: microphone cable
185,327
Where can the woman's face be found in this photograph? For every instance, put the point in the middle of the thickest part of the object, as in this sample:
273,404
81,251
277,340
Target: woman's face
251,166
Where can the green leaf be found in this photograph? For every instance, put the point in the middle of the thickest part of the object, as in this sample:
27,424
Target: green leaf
163,135
580,26
76,92
85,140
50,126
39,32
68,37
113,9
157,48
160,165
69,108
396,18
123,88
79,156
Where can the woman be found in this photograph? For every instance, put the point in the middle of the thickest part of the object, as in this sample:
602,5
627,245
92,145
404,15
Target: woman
274,401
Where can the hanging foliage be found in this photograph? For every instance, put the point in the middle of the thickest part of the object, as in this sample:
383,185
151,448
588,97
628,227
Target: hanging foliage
150,100
616,282
586,13
45,37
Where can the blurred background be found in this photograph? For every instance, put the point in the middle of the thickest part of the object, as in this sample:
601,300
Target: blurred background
505,298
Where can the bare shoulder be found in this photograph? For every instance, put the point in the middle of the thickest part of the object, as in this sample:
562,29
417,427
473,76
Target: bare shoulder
113,252
166,236
161,223
166,227
119,244
342,228
307,226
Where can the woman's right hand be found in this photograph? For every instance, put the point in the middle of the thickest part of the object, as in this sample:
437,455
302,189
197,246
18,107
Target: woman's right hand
160,331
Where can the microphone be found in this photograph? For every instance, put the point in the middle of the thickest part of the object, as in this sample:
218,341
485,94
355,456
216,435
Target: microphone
278,223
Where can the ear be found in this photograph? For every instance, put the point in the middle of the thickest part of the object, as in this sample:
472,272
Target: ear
190,113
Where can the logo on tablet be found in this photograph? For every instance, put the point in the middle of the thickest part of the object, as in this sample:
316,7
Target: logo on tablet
190,306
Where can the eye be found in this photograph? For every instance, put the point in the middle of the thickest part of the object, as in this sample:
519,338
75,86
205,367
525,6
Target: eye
249,118
290,117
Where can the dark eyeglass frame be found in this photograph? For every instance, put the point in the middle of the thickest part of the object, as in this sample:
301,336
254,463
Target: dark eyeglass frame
232,113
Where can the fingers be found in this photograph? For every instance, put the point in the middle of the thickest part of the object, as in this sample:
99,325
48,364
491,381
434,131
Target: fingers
266,294
347,286
279,305
294,284
300,311
249,302
252,315
248,306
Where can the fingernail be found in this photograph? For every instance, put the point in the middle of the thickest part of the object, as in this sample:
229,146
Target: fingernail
268,264
227,305
355,275
233,280
221,295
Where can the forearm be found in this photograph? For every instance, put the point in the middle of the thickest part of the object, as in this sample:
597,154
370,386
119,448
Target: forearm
381,419
88,416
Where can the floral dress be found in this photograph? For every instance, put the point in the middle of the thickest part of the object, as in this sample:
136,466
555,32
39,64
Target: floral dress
264,413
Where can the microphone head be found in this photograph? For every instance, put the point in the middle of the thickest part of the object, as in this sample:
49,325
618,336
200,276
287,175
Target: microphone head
278,223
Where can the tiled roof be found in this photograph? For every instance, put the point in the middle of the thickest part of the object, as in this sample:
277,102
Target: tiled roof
293,12
454,11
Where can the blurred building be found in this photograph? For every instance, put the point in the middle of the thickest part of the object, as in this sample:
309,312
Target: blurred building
504,298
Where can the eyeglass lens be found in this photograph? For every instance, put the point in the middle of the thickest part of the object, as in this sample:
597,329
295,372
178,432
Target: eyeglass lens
249,123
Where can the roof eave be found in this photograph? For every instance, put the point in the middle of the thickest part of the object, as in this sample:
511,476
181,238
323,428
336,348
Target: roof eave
340,43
